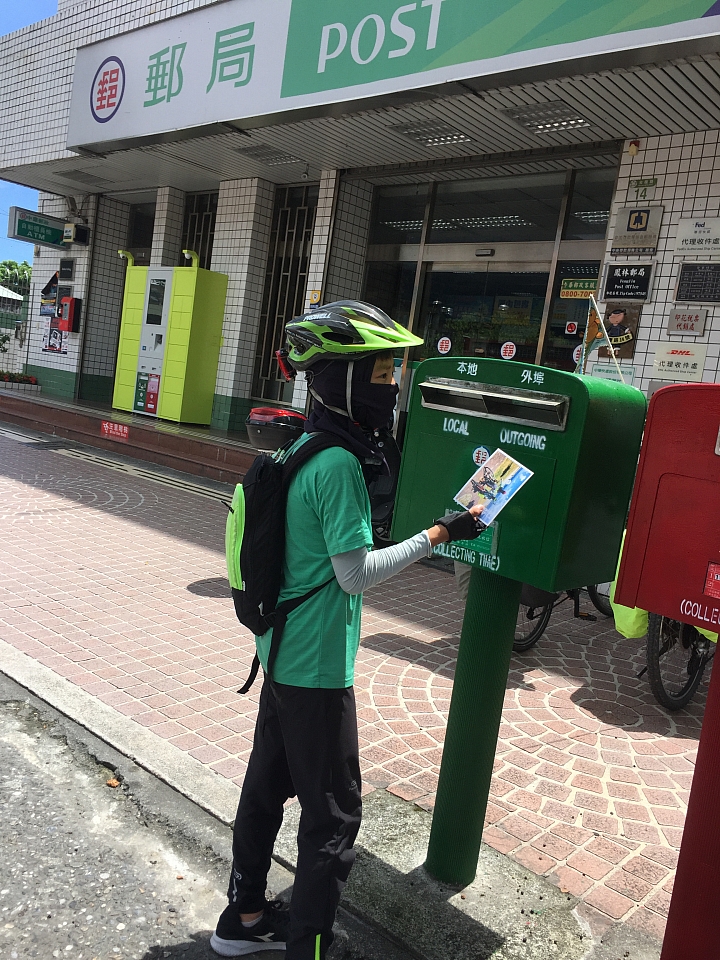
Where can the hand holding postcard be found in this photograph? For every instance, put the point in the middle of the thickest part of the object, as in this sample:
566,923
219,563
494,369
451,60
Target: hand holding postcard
493,485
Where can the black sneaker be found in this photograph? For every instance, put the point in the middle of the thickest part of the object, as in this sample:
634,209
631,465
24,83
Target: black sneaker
232,939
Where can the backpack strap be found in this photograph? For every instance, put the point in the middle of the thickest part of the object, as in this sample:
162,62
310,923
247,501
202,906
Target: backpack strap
292,460
278,619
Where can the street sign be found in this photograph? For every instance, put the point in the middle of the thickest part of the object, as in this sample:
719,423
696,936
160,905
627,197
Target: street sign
679,361
33,227
608,371
698,235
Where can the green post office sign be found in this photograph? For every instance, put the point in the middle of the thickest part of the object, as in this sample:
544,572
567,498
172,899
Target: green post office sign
343,43
243,59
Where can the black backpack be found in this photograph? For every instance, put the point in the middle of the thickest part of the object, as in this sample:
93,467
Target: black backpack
255,543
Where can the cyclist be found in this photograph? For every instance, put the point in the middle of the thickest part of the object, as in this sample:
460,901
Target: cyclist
305,740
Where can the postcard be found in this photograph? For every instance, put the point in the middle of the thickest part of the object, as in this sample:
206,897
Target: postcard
493,485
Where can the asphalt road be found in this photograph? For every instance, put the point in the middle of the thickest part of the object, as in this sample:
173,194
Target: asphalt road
94,872
82,874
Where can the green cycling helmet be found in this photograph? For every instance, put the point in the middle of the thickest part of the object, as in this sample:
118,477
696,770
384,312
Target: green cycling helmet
344,330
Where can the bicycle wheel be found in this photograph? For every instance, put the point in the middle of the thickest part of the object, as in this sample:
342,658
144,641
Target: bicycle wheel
599,594
531,624
676,658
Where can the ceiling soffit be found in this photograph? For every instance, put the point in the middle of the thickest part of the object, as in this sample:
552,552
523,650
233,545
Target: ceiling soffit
438,137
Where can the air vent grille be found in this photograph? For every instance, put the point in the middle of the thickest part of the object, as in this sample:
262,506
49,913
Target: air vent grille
270,156
432,133
82,176
554,116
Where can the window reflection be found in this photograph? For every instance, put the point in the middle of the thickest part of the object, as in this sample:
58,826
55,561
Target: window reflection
398,213
590,204
390,287
498,209
479,312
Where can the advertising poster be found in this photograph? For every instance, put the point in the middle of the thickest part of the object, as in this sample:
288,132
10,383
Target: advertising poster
493,485
621,322
54,340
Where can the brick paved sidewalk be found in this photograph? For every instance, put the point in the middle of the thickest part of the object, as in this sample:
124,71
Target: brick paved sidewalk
117,584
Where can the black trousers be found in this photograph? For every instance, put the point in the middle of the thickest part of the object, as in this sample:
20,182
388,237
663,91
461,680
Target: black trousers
305,745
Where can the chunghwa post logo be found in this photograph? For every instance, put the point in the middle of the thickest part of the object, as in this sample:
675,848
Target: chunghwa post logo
107,90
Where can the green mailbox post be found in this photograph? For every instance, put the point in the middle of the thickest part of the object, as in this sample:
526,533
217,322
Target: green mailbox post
580,436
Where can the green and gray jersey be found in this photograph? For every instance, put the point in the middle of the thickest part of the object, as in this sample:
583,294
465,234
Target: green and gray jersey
327,513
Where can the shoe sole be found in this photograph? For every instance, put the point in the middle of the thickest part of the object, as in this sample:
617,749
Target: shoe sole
235,948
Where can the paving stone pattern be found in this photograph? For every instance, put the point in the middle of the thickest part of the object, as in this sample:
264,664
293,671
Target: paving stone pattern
117,584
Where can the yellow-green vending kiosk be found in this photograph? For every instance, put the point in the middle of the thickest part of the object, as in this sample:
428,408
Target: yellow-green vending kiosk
170,337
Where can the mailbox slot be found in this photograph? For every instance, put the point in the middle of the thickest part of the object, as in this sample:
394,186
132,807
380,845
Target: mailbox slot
513,405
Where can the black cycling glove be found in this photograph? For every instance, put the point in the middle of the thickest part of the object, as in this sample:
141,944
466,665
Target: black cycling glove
462,525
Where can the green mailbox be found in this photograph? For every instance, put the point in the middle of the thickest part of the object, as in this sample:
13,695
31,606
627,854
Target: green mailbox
581,437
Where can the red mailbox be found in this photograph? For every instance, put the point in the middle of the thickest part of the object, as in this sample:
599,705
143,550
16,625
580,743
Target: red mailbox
70,308
671,560
671,566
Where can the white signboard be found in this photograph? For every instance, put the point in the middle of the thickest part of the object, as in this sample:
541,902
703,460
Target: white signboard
246,59
679,361
608,371
218,63
698,235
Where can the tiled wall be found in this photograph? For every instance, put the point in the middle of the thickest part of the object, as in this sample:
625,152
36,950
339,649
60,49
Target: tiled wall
240,249
168,229
103,307
36,102
57,373
687,167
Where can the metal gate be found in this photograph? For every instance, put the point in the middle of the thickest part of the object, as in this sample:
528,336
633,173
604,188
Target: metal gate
285,284
199,226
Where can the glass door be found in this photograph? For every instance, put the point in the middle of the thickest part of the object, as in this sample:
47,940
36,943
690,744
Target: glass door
492,312
569,312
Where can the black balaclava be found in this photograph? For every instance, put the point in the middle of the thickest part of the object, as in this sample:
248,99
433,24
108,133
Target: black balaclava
360,407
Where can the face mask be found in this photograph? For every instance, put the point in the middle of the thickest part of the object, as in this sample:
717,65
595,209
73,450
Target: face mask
373,404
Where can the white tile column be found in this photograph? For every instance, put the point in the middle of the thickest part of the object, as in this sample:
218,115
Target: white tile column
337,258
103,307
168,229
240,249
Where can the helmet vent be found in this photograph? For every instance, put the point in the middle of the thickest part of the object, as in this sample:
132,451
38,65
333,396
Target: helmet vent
344,338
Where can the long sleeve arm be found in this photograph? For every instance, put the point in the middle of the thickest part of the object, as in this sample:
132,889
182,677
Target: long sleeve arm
358,570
